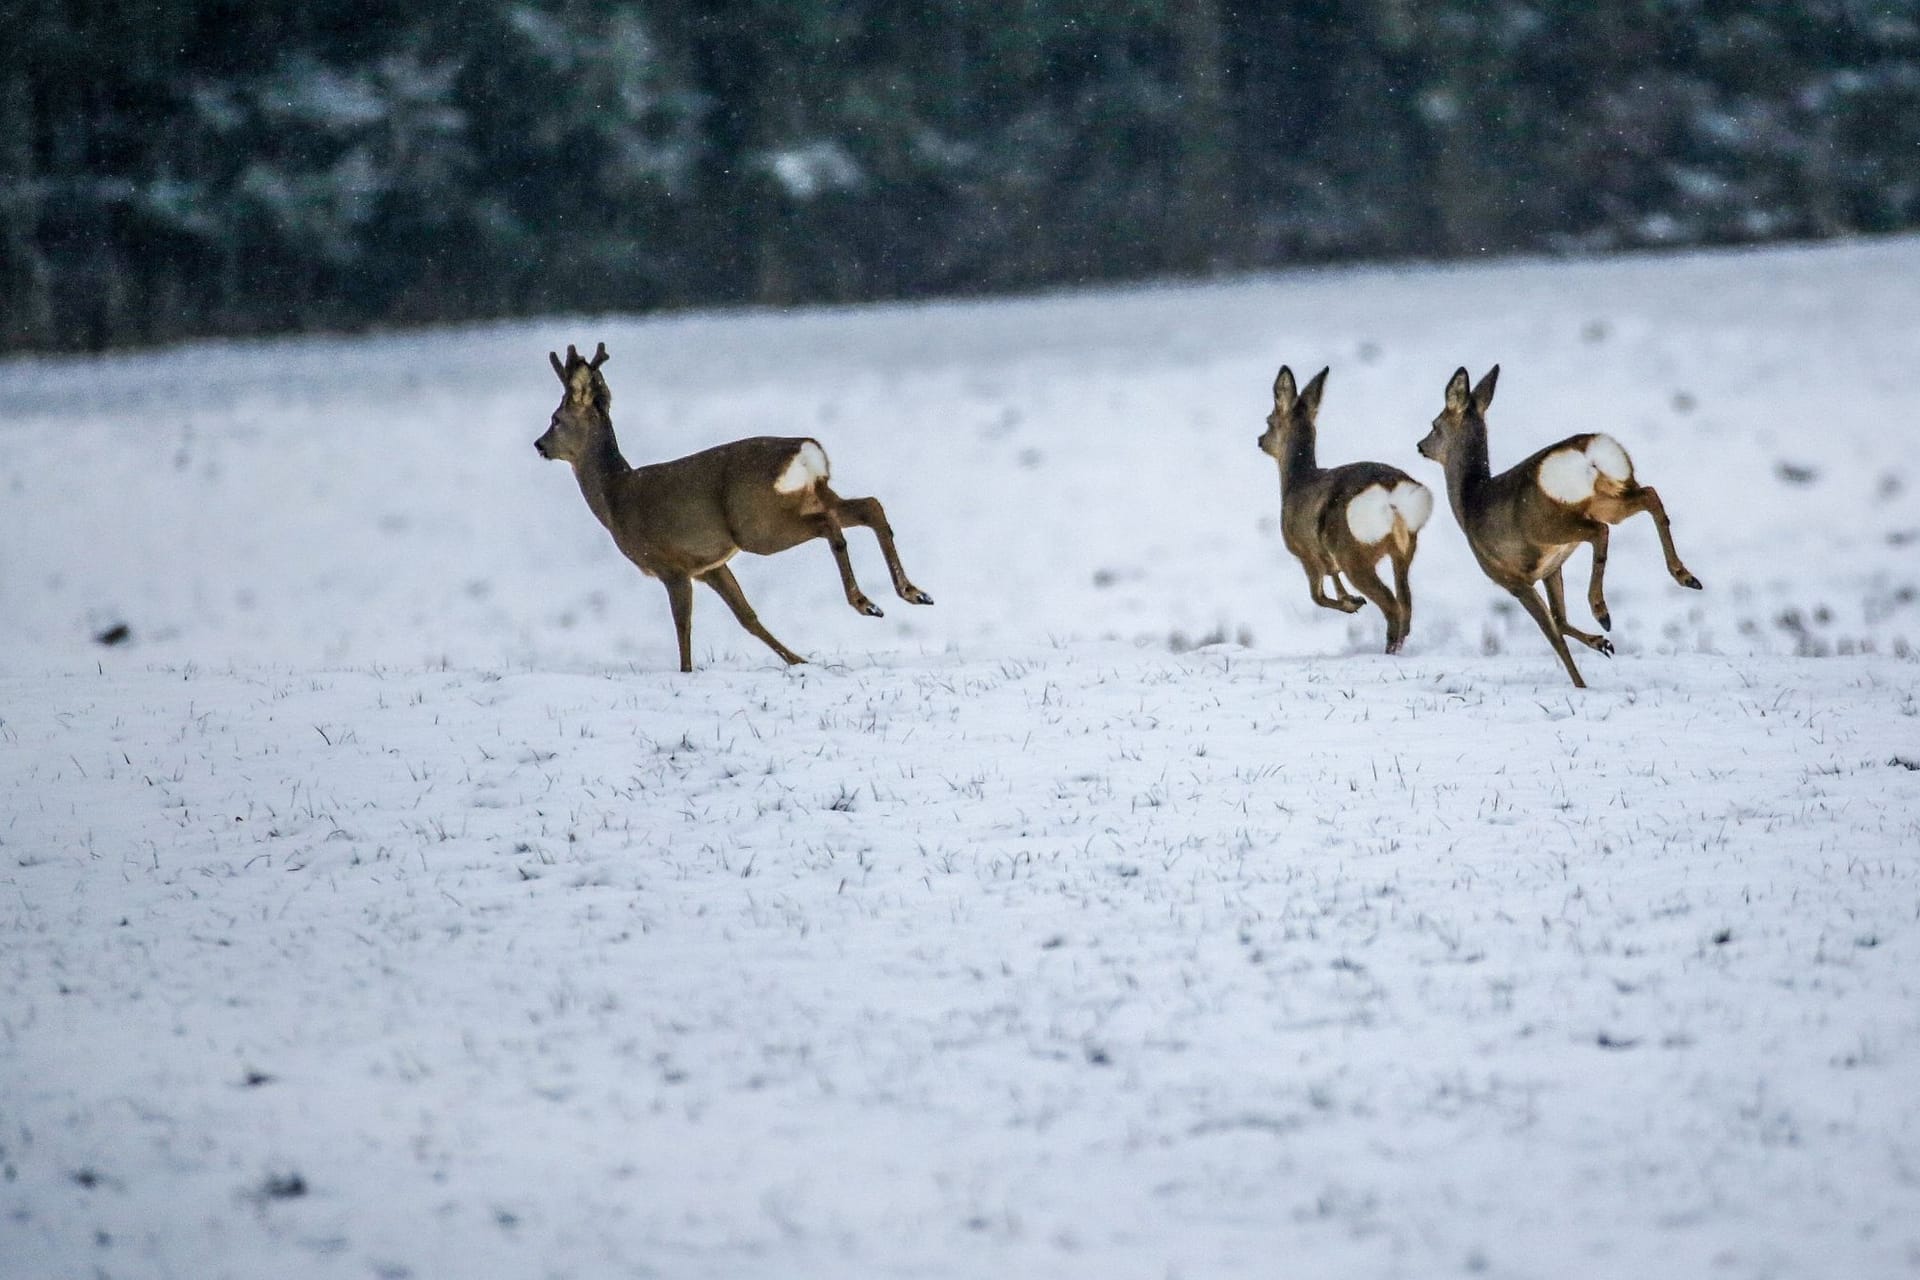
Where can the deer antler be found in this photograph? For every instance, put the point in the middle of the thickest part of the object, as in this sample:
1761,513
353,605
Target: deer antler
599,356
559,370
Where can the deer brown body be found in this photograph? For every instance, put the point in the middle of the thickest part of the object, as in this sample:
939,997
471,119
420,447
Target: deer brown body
1524,523
682,521
1343,520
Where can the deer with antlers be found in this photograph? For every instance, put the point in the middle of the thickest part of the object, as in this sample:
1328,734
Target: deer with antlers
682,521
1343,520
1524,523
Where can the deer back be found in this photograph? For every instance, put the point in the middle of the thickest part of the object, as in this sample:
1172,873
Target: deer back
761,494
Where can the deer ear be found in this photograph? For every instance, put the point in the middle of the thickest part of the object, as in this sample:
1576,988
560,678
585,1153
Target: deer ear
1283,390
1457,392
1483,394
559,370
1315,389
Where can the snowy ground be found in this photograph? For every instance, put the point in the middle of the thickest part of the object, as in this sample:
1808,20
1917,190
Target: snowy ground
388,906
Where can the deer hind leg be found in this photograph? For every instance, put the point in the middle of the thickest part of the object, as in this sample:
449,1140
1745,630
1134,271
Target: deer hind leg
1524,593
1403,592
1369,584
1650,499
869,512
680,597
727,587
1598,538
1557,610
1646,498
831,528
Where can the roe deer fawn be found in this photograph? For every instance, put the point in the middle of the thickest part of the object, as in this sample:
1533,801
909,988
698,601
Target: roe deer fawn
1523,523
681,521
1343,519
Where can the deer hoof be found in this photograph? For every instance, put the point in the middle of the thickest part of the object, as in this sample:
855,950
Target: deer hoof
1351,605
1686,579
1601,616
914,595
1604,645
867,607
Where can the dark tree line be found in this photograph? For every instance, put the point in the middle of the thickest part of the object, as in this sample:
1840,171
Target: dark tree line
171,168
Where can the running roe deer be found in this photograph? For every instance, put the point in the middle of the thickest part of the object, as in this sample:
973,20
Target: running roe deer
681,521
1523,523
1343,519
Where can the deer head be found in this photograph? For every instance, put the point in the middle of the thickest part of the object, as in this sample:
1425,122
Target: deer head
1294,413
585,410
1465,411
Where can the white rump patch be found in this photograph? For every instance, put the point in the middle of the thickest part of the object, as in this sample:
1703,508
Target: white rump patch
1370,514
808,468
1414,502
1606,454
1569,475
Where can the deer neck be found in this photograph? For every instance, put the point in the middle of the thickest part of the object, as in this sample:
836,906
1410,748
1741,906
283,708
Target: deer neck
1467,469
1298,463
599,471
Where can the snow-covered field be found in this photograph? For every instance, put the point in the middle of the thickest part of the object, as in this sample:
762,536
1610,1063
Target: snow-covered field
388,905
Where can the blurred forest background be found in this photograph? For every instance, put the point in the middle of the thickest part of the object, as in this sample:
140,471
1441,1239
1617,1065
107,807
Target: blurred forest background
171,168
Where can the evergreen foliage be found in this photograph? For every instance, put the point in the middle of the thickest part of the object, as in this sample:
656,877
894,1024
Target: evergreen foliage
171,168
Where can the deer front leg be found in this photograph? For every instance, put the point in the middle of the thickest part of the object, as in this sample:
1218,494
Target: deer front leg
831,530
1372,588
1531,602
1648,500
1348,601
727,587
1316,585
869,512
1557,610
680,596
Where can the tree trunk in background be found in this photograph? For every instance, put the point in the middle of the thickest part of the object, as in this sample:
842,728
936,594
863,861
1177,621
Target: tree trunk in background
723,48
1204,207
1467,182
1435,82
26,317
